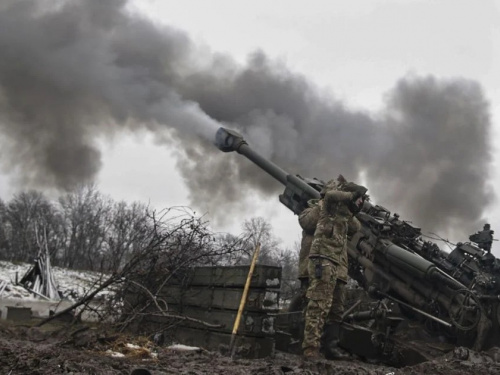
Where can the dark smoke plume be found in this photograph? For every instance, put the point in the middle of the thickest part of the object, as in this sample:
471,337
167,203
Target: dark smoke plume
73,71
438,161
81,69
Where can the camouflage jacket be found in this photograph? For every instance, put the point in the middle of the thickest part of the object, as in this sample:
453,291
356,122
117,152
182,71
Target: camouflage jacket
308,219
334,224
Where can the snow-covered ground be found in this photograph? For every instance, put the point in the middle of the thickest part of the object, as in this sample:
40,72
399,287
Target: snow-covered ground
73,284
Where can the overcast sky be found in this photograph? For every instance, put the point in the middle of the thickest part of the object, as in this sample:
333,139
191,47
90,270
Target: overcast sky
357,53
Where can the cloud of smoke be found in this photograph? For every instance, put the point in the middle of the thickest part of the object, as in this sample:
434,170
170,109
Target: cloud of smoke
438,162
80,69
74,71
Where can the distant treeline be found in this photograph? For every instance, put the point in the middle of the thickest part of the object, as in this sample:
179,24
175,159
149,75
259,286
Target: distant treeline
82,229
86,230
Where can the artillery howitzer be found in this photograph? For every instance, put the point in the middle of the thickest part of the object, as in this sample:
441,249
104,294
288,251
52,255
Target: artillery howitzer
454,295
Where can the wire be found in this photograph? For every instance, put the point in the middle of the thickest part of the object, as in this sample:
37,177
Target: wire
439,238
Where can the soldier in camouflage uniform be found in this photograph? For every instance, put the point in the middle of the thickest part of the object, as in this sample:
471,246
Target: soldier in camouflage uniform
308,219
328,266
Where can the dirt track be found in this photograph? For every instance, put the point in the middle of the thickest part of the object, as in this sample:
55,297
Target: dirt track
82,350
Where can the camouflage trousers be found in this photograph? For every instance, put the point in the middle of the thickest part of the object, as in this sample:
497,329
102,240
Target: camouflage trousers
326,301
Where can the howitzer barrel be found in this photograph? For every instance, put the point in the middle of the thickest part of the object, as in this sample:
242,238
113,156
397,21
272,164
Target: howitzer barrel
298,191
229,140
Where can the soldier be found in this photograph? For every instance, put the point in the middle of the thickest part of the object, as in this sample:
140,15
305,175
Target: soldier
327,268
308,219
484,238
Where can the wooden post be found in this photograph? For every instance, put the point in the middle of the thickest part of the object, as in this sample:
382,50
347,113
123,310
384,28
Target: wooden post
243,300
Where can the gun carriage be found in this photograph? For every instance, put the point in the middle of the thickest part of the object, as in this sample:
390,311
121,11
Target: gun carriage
454,295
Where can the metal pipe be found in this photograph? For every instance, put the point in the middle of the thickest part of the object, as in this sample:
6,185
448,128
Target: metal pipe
395,284
445,323
358,302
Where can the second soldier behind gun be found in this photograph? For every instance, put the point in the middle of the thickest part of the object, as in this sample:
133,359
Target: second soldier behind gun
328,268
308,220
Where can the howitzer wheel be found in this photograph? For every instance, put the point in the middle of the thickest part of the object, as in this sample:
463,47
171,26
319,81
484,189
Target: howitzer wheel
465,310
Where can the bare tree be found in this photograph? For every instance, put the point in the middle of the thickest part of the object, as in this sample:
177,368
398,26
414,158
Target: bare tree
85,212
175,241
181,242
288,260
26,216
257,230
228,241
127,230
4,241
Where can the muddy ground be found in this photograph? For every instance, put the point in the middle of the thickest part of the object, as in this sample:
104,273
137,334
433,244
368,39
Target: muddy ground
68,349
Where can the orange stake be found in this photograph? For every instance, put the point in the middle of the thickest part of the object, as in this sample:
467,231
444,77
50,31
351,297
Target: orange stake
243,299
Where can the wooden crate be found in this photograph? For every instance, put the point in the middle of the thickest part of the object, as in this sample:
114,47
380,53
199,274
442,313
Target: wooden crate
213,295
236,276
210,297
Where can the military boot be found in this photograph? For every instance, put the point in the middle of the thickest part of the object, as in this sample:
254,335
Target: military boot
330,341
312,353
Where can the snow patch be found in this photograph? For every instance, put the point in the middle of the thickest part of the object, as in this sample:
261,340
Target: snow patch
181,347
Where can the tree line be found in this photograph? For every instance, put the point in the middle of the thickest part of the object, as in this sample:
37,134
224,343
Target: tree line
85,230
81,230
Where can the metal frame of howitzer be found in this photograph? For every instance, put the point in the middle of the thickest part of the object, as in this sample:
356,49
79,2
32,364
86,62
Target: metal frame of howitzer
390,260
